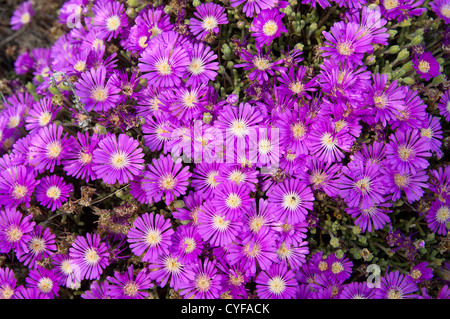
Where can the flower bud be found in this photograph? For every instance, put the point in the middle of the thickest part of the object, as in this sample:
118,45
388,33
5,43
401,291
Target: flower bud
131,12
100,129
405,23
54,90
196,3
408,80
179,204
133,3
394,49
403,55
407,66
392,33
436,81
313,27
207,117
371,59
334,242
339,254
418,39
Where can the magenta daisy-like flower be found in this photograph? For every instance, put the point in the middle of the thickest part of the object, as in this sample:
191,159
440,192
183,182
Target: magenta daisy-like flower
15,230
118,159
97,290
231,199
158,132
193,206
206,282
67,271
278,282
414,113
293,255
167,178
8,283
22,15
208,17
109,19
17,184
407,151
442,9
420,272
53,191
347,42
150,236
252,6
260,64
357,290
440,181
202,65
413,185
438,216
90,254
41,245
444,105
267,26
46,280
127,285
293,198
42,114
295,127
432,129
204,179
32,293
187,243
341,268
24,63
362,183
170,268
216,226
164,61
297,82
426,66
96,91
48,148
254,250
78,160
395,285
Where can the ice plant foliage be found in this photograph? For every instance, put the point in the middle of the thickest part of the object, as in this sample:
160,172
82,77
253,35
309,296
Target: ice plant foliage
243,149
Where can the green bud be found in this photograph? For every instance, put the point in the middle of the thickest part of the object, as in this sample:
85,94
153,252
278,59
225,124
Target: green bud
408,80
196,3
143,82
430,237
405,23
293,3
339,254
226,50
230,64
371,59
407,66
419,32
418,39
54,90
403,55
447,225
133,3
334,242
392,33
221,69
362,240
39,78
356,230
299,46
288,10
100,129
436,81
167,9
178,204
313,27
240,25
185,222
131,12
207,117
394,49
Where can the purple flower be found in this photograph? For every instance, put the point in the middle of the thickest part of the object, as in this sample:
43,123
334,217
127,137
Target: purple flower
53,191
170,268
164,60
371,21
22,15
412,185
217,227
442,9
117,159
395,285
167,178
109,19
413,113
440,182
357,290
407,151
15,230
252,6
204,179
97,291
293,199
66,270
17,184
127,285
78,160
24,63
40,246
297,83
150,236
293,255
267,26
277,282
8,283
202,65
42,114
187,243
231,199
421,272
341,268
432,129
321,175
46,280
30,293
347,42
208,18
90,255
426,66
261,65
95,91
295,127
438,216
373,217
206,283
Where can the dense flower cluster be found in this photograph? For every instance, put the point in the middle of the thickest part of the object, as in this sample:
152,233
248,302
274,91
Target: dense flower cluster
132,159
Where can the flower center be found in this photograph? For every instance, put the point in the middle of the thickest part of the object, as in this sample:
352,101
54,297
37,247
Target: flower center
291,201
209,23
296,87
233,201
6,292
196,66
445,10
404,153
44,118
54,149
239,128
261,64
401,180
13,121
66,267
270,28
345,48
19,191
424,66
298,130
284,251
203,282
323,265
25,18
155,31
337,268
363,185
328,141
113,23
189,245
189,99
220,223
130,289
394,294
277,285
53,192
415,274
380,101
318,178
85,158
237,176
80,66
37,245
99,94
390,4
119,160
427,132
237,280
14,234
153,237
264,146
211,178
443,214
163,67
168,182
172,264
45,285
91,256
256,223
252,251
143,41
